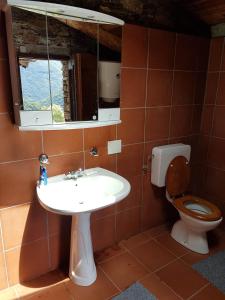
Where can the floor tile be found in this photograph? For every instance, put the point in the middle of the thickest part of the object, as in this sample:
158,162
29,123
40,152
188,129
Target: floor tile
209,293
152,255
155,231
167,241
123,270
135,240
8,294
101,289
192,257
39,284
51,293
108,253
181,278
158,288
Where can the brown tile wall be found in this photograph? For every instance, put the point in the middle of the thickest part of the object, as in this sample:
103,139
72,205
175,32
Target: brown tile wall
162,91
210,173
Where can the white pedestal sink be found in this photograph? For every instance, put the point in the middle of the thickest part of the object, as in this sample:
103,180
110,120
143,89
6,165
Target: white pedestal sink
96,189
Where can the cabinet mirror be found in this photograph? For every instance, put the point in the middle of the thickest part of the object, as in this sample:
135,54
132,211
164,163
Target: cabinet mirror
65,69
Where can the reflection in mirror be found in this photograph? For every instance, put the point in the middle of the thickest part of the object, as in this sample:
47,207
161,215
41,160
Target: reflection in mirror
110,37
74,46
31,52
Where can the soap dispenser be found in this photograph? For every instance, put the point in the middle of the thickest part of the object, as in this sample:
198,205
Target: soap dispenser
43,179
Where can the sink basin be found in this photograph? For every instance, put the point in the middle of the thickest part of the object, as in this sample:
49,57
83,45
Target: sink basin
96,189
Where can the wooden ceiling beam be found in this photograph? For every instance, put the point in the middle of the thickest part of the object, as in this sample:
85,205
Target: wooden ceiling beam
106,38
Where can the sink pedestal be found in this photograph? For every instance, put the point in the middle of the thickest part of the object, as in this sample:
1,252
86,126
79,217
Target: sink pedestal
82,265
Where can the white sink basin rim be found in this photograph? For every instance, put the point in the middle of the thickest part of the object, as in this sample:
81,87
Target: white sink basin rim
96,189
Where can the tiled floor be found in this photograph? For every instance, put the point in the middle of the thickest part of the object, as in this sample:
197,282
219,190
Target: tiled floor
152,258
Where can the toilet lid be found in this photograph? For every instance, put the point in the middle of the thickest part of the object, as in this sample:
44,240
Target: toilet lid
178,176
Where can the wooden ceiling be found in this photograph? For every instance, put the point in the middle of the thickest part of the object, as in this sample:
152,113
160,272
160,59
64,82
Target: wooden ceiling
209,11
187,16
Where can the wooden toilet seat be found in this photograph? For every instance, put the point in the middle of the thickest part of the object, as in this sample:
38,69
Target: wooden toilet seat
177,182
213,212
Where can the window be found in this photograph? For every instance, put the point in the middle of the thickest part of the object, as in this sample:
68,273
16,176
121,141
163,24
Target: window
44,90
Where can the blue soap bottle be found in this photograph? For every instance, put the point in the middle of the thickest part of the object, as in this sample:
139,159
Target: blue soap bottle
43,179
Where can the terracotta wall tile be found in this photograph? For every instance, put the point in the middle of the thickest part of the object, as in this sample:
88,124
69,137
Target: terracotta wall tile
159,87
216,153
103,160
214,185
155,207
211,88
3,278
181,119
22,224
215,54
210,183
27,262
65,163
1,245
133,87
103,213
58,223
223,60
206,120
193,142
201,150
219,122
127,223
186,56
132,128
18,182
157,123
182,139
60,142
161,49
198,177
134,198
55,245
183,88
59,246
148,151
130,160
196,119
203,53
135,46
200,87
106,227
221,90
98,136
15,144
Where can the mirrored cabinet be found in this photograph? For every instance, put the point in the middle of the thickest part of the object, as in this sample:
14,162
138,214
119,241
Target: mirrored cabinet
64,64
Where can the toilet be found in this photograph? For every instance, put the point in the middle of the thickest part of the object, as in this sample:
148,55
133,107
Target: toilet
171,168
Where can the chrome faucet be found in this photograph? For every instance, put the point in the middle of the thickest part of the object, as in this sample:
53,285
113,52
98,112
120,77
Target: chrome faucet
75,174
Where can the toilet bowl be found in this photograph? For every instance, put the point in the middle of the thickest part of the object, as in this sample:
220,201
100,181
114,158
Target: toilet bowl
197,216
